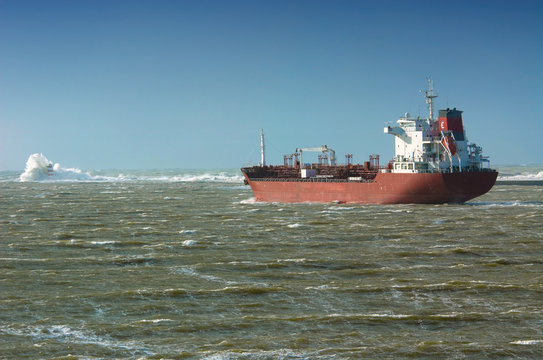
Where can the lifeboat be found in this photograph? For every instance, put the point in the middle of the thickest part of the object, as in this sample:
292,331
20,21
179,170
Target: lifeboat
449,144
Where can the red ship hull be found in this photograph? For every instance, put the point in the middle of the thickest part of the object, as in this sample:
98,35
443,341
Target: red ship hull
386,188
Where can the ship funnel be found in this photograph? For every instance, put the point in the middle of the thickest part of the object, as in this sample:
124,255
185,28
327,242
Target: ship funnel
451,120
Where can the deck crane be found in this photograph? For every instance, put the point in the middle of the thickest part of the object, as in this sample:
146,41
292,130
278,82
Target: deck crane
330,154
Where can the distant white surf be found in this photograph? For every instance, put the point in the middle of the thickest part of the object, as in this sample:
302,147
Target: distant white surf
523,177
37,170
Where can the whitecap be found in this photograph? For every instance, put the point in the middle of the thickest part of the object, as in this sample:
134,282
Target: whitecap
191,272
526,342
187,231
248,201
154,321
66,334
301,260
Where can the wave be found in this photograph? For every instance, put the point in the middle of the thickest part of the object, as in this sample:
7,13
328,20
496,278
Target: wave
522,177
526,342
221,177
69,335
40,169
507,204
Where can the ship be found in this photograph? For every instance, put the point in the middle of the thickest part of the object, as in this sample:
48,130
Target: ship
433,164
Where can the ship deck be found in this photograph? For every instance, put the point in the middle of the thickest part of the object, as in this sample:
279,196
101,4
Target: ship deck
323,173
313,179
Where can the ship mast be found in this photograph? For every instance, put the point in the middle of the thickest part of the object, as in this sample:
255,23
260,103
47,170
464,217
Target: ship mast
262,154
430,95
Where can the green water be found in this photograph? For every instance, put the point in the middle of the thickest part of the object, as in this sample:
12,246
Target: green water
153,269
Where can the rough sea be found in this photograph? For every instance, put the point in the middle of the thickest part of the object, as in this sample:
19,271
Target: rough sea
184,264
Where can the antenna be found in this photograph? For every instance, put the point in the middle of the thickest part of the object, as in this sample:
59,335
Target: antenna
430,95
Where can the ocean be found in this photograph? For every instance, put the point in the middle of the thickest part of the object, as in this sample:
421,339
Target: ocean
184,264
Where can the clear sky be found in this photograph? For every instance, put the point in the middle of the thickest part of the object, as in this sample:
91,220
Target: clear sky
105,84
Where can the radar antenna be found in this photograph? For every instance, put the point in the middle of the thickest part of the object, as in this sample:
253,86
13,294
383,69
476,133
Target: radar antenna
430,95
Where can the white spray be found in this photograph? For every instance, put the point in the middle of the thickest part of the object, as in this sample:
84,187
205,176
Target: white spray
38,168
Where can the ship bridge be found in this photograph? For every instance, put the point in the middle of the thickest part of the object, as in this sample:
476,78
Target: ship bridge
433,145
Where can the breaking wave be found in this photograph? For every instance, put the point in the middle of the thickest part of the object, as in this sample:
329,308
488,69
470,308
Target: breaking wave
523,177
38,169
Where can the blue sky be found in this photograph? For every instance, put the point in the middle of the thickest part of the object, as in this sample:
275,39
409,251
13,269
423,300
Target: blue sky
189,84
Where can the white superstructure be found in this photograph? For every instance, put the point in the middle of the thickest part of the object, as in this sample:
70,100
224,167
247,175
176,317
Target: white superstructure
433,145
